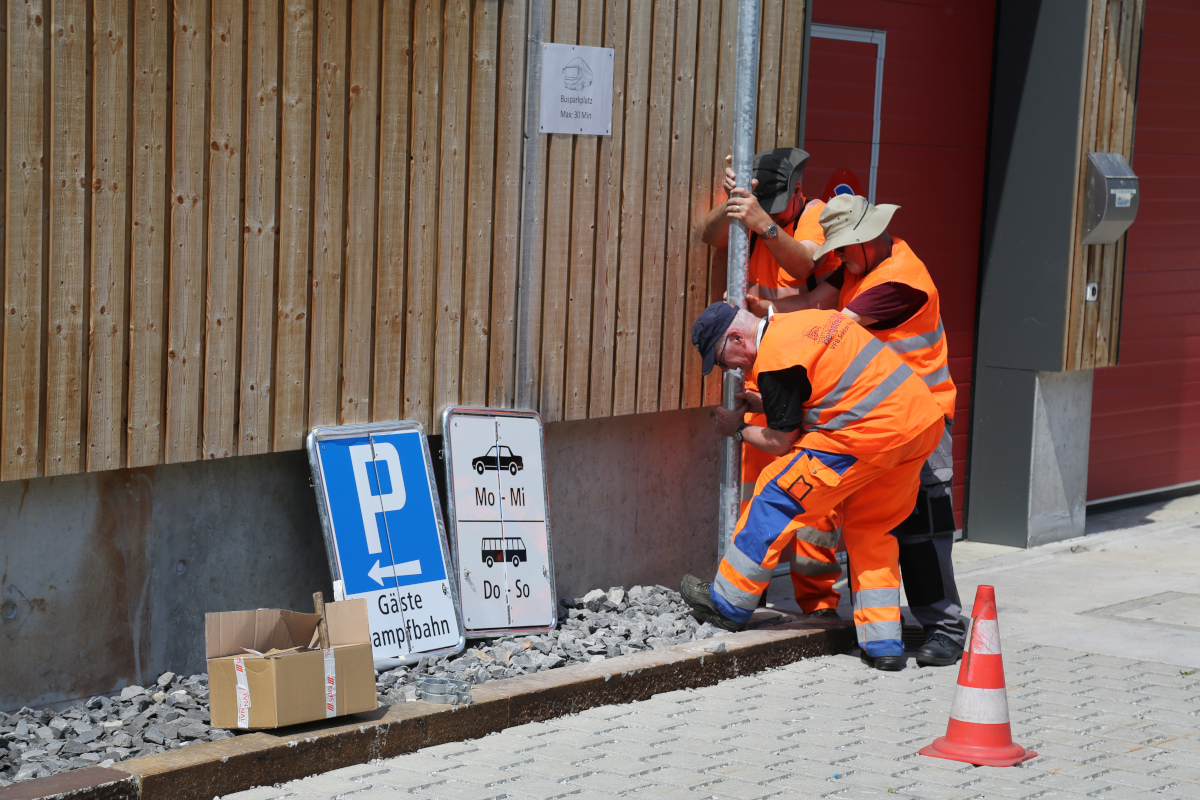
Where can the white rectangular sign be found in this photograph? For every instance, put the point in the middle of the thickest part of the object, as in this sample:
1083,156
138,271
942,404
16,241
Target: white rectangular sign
499,523
577,86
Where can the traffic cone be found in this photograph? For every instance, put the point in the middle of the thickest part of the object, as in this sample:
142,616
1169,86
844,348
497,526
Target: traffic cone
978,731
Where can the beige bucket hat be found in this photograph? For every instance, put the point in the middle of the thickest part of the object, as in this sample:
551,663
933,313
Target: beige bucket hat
850,219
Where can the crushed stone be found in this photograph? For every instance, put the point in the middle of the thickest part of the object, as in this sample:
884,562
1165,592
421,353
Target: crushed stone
172,712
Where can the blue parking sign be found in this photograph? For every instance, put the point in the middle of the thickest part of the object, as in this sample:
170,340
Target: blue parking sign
385,537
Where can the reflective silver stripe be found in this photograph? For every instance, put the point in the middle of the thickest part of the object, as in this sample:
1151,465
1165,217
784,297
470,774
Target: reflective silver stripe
937,376
920,342
876,598
852,373
748,492
868,403
735,596
803,565
746,567
820,538
878,631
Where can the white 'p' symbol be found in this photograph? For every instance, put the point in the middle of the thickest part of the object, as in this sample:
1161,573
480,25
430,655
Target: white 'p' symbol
371,504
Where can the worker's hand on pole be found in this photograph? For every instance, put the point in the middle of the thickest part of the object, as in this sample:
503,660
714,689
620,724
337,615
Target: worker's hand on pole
728,421
731,178
757,306
752,399
730,181
743,206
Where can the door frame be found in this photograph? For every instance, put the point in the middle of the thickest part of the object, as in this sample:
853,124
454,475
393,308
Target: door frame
866,36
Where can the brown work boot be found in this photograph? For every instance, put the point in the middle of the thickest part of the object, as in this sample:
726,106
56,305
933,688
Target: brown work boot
698,594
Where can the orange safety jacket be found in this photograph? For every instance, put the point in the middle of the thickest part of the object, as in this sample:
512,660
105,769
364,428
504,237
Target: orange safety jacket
770,281
920,340
864,399
764,277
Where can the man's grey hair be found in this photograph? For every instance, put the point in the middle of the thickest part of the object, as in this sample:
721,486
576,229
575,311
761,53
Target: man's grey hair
744,322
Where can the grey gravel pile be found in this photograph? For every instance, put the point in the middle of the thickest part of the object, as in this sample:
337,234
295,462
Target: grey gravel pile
173,712
593,627
142,720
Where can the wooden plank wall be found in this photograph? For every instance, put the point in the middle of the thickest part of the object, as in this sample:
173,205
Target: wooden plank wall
225,222
1109,107
623,282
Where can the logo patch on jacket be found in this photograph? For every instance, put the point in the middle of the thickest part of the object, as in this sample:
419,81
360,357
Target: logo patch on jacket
831,332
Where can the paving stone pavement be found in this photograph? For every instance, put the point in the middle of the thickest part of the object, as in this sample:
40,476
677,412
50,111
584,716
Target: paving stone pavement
829,727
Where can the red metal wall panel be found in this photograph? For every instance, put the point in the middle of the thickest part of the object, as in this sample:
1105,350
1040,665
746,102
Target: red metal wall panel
1146,411
933,138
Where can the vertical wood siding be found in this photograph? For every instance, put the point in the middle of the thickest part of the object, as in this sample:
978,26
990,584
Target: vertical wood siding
225,222
1109,98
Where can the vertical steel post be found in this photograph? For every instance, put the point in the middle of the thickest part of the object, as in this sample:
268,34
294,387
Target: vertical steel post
529,290
745,105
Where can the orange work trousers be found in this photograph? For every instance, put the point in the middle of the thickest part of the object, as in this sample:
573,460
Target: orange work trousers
875,492
812,561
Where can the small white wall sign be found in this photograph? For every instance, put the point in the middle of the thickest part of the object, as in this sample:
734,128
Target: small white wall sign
500,528
576,89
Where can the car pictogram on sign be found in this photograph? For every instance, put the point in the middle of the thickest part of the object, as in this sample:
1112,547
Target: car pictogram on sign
509,548
498,457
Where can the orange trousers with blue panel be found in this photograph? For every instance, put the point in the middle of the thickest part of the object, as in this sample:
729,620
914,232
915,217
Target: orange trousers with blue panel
874,492
811,557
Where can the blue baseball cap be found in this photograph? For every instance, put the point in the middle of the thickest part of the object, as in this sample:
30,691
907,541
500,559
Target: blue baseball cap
710,326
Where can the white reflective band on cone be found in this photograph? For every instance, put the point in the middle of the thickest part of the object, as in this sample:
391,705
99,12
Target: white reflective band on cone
984,637
987,706
330,684
243,693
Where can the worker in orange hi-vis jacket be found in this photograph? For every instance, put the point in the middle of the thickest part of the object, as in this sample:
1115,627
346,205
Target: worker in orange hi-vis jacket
849,425
785,231
883,286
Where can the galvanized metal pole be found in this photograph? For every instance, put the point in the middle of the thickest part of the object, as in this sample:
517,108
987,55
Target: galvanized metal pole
529,277
745,109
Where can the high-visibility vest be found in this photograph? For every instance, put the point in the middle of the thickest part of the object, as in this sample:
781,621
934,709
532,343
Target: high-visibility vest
864,398
764,277
921,340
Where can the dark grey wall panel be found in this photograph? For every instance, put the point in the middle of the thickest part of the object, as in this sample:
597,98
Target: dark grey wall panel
1002,433
1039,72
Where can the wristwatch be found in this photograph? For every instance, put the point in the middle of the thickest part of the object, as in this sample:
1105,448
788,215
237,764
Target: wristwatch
737,435
772,231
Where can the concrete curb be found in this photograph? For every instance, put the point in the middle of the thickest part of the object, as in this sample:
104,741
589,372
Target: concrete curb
265,758
87,783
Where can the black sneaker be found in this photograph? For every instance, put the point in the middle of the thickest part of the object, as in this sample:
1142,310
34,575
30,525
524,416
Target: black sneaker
831,613
885,663
698,594
939,650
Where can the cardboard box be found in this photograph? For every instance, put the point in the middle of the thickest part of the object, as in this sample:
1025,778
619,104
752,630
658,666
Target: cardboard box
277,689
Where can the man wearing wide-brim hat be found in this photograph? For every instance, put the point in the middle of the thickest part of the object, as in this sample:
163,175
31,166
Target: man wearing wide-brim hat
884,287
785,231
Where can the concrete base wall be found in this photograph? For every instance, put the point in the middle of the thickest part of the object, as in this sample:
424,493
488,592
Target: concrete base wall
1029,456
105,578
1062,419
633,500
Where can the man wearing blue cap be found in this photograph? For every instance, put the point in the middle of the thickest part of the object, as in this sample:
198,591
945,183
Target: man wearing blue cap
784,232
849,425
